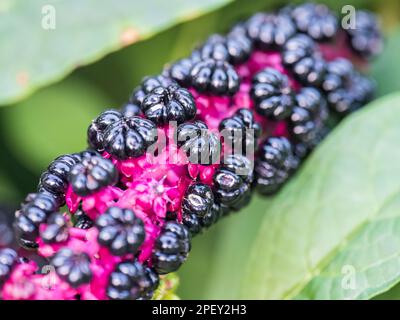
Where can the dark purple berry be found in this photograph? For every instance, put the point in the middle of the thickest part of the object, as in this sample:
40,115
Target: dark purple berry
92,174
270,31
308,121
200,145
272,94
131,281
34,211
346,89
232,181
197,204
171,248
56,229
120,231
72,267
131,110
274,165
8,258
82,221
301,56
214,77
172,103
240,130
147,85
366,37
233,48
315,20
122,137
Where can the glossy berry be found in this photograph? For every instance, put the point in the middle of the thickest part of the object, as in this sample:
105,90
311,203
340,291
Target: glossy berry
315,20
232,181
272,94
366,38
120,231
147,85
131,281
214,77
131,110
172,103
301,56
122,137
200,145
196,223
270,31
82,221
240,130
92,174
274,165
308,120
233,48
346,90
171,248
8,258
34,211
72,267
179,71
54,179
198,202
56,229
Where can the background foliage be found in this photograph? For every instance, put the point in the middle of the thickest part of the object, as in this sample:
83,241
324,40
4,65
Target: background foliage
48,102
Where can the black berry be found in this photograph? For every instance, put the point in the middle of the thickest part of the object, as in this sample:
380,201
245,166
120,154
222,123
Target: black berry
301,56
92,174
147,85
197,205
82,221
122,137
54,179
365,37
308,121
234,48
72,267
179,71
232,181
120,231
8,258
200,145
236,129
171,248
346,89
270,31
131,281
56,229
315,20
131,110
272,94
274,165
214,77
172,103
34,211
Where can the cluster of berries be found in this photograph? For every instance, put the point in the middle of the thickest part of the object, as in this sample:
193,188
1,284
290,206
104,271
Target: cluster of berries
133,202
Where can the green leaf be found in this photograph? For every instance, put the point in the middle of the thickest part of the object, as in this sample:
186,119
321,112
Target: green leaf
52,122
33,54
334,231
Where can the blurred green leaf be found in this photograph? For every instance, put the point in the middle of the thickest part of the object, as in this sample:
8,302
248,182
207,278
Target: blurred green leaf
334,230
52,122
233,240
167,287
34,54
386,69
